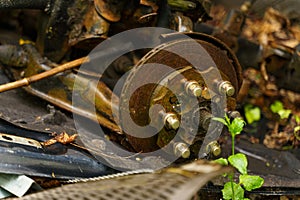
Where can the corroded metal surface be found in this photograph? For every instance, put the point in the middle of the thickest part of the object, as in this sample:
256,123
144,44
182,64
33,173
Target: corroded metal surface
110,9
155,93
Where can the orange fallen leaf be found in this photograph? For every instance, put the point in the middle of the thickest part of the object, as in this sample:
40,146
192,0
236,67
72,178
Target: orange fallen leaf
63,138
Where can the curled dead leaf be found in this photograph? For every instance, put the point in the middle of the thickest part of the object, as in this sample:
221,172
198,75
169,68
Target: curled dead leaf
63,138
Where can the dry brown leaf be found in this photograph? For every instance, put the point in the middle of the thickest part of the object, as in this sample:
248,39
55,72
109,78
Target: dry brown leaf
277,141
274,27
63,138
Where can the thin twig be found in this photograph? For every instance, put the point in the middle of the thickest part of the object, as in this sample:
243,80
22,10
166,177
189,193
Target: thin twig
28,80
264,72
275,130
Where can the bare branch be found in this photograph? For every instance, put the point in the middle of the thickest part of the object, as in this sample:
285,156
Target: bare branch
28,80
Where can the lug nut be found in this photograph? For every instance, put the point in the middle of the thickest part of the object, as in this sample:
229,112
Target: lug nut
171,121
193,88
214,148
225,87
205,119
202,118
181,149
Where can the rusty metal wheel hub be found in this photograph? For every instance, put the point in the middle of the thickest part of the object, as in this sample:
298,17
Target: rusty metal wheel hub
173,92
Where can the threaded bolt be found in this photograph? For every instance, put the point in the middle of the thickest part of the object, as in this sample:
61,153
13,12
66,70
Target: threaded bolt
205,119
171,121
225,87
193,88
214,148
181,149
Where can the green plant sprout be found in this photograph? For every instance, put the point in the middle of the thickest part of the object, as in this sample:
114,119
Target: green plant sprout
252,113
297,128
232,190
277,107
297,119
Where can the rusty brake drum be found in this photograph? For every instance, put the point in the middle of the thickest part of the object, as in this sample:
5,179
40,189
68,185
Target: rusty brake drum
173,92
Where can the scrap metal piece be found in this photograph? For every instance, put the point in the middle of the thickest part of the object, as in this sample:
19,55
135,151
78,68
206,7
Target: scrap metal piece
16,185
181,182
110,9
59,161
67,23
13,55
19,140
181,23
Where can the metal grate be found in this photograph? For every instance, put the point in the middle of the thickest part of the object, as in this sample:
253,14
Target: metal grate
172,183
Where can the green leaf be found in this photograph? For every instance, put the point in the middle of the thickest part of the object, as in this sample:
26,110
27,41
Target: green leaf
252,113
236,126
221,161
296,129
284,114
220,120
276,106
297,119
227,119
239,161
251,182
237,193
296,132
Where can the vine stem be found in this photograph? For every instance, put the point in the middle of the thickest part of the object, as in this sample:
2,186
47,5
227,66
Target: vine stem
232,153
232,145
232,188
